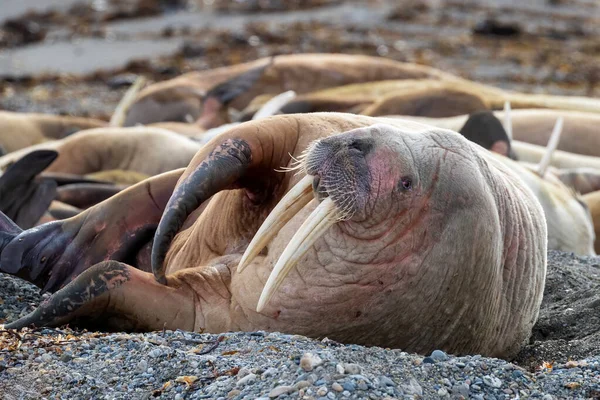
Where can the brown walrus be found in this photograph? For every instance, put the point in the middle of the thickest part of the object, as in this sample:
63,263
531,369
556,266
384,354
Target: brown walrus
580,129
183,96
144,150
19,130
416,239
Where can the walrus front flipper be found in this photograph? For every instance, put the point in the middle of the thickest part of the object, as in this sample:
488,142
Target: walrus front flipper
23,197
115,296
53,254
84,195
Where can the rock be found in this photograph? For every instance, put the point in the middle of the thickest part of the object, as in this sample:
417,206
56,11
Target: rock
301,385
243,372
142,366
385,381
438,355
322,391
461,389
337,387
351,369
310,361
233,393
413,387
250,378
279,390
339,368
492,381
349,386
46,357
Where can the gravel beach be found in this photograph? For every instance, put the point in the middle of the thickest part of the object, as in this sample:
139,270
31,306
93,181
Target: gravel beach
561,362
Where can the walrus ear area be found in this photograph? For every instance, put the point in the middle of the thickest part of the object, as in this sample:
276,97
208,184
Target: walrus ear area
23,198
486,130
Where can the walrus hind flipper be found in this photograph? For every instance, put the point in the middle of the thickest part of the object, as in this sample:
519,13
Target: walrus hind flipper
115,296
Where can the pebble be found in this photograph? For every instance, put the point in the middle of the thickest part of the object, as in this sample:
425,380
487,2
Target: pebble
322,391
46,358
337,387
492,381
279,390
309,361
351,369
438,355
250,378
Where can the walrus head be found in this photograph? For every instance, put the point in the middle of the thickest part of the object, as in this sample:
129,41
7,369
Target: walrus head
486,130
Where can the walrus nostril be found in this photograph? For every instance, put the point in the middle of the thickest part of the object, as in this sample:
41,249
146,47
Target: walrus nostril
364,145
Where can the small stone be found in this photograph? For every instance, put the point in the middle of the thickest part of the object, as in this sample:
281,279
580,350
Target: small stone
442,392
269,372
66,357
243,372
349,386
301,385
339,368
428,360
461,390
492,381
384,381
547,397
46,357
337,387
178,396
438,355
279,390
362,385
346,393
310,361
413,387
233,393
352,369
155,353
142,366
322,391
250,378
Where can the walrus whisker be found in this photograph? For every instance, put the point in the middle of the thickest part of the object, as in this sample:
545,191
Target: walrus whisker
552,144
317,223
299,196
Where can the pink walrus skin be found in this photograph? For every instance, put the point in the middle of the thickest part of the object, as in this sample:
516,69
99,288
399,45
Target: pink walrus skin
392,233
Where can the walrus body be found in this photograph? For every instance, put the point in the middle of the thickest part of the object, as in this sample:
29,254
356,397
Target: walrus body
19,130
581,130
144,150
592,200
175,99
416,239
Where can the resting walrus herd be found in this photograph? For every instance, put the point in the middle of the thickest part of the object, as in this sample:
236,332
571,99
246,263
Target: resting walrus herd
356,198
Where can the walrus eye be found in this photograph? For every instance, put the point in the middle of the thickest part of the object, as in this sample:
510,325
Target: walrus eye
406,183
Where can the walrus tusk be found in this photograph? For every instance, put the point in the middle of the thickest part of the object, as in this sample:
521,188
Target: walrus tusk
552,144
288,206
275,104
507,121
118,117
324,216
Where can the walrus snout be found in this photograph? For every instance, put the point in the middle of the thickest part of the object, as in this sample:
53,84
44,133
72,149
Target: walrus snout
340,170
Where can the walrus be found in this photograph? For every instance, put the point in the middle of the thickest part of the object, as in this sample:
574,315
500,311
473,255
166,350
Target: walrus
427,98
582,180
20,130
174,99
24,196
592,201
580,130
407,236
144,150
